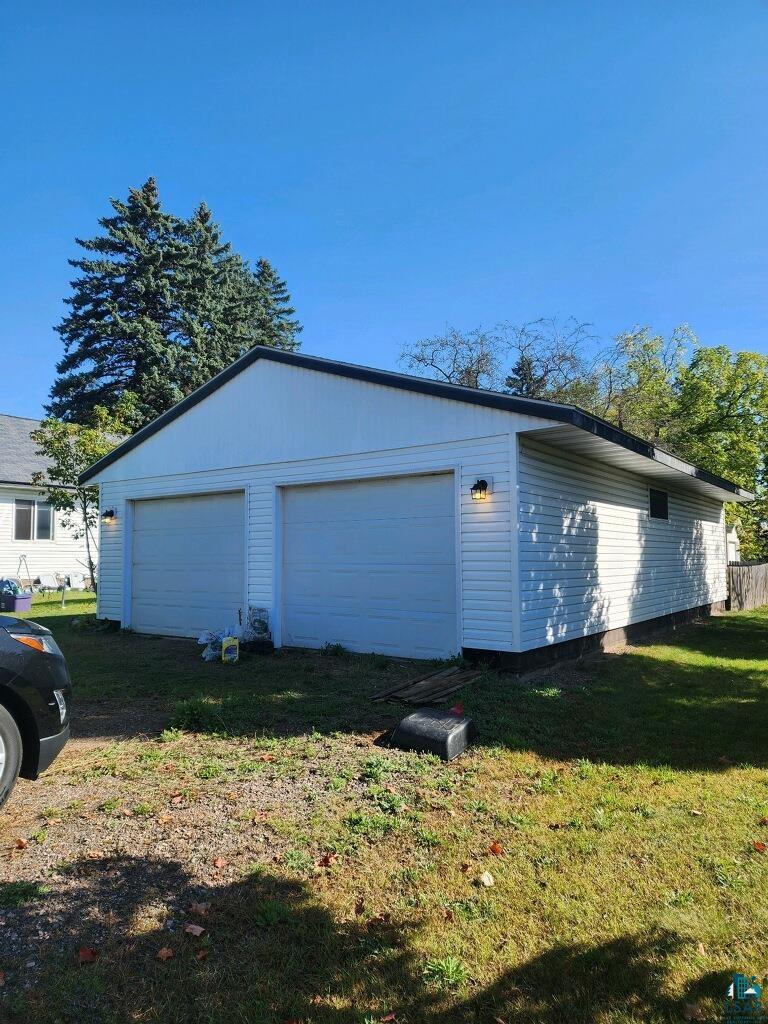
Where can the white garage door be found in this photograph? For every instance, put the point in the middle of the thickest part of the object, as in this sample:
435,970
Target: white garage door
188,564
371,565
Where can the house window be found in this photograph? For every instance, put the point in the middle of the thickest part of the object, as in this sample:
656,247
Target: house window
658,504
32,520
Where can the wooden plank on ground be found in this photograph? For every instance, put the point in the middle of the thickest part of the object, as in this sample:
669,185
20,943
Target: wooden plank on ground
437,674
430,688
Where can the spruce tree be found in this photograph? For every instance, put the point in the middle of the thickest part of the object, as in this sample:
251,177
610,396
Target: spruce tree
161,305
216,306
120,332
276,324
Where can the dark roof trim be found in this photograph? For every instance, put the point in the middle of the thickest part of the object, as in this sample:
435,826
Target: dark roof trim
420,385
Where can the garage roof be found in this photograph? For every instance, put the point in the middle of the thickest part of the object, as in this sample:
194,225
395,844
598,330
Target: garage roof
665,466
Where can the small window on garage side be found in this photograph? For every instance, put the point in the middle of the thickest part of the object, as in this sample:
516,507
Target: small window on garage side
658,504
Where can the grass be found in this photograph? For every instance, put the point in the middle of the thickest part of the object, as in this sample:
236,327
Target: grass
616,810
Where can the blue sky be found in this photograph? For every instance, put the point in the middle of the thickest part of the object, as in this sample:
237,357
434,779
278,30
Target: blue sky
404,165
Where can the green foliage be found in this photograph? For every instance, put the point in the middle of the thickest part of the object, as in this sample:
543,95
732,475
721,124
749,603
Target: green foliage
446,972
329,650
269,913
17,894
708,405
69,449
161,305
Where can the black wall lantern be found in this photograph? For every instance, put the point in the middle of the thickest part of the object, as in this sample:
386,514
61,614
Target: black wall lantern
108,516
479,490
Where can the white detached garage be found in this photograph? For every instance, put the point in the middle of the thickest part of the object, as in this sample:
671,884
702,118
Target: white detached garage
345,500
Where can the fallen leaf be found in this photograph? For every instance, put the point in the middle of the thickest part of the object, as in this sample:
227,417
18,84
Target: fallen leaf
177,799
384,918
388,1017
327,859
486,879
697,813
759,846
22,844
763,820
201,909
164,954
499,1020
86,955
496,849
267,757
465,867
201,954
457,709
701,949
220,862
127,812
449,915
194,929
359,906
165,819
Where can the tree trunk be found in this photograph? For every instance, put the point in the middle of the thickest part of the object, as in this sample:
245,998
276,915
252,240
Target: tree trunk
88,555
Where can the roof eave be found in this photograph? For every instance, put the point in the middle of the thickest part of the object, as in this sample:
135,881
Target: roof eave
566,414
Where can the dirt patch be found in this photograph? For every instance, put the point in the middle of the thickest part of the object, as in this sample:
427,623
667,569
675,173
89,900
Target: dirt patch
108,837
100,721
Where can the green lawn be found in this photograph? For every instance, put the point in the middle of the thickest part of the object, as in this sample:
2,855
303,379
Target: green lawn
628,798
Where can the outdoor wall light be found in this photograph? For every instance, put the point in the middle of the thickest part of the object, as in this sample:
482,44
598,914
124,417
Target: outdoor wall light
108,516
479,490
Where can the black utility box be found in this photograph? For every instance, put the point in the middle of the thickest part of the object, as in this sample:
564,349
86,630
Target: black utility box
433,731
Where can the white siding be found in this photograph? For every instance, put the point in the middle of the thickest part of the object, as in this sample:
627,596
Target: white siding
485,540
585,557
591,559
273,413
62,555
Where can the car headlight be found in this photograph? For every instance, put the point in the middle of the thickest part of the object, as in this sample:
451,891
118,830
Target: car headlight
38,642
62,705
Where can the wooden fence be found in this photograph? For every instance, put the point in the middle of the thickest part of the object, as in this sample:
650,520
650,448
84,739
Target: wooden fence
747,585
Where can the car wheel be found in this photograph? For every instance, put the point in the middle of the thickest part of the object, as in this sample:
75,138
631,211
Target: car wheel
10,754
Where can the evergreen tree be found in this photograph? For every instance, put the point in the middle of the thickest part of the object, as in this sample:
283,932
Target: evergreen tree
117,336
162,305
216,303
275,325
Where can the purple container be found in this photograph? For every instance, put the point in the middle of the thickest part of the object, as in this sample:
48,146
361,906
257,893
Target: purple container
15,602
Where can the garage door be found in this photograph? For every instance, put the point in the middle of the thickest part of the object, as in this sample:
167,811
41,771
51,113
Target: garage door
371,565
188,564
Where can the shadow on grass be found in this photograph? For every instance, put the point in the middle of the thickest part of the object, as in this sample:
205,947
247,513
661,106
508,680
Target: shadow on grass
273,953
696,699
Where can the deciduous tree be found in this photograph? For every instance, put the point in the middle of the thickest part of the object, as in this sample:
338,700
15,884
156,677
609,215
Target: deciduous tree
69,449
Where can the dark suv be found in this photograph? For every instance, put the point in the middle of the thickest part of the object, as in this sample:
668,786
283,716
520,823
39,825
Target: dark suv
35,691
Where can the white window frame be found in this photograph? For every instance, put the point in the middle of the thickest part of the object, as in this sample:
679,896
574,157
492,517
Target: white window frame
34,539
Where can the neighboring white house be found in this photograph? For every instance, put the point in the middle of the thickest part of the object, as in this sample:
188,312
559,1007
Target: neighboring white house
29,527
341,499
